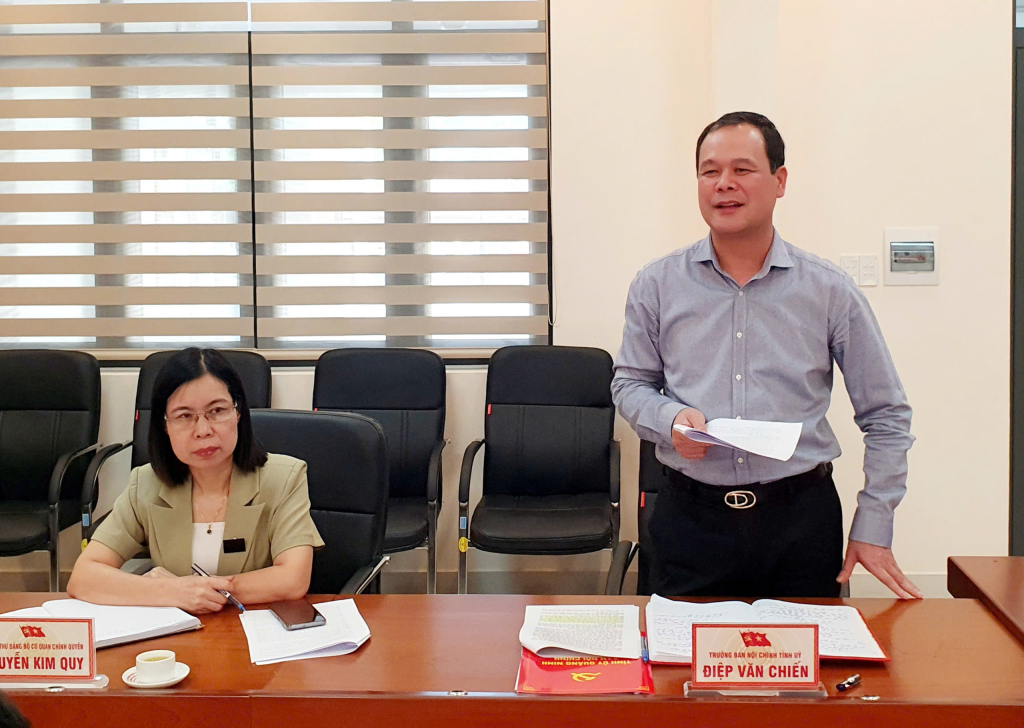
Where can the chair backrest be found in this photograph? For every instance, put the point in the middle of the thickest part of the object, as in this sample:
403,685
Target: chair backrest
549,421
653,477
347,468
251,367
403,390
49,405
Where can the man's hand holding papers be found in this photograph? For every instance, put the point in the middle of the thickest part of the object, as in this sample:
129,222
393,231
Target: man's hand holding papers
776,440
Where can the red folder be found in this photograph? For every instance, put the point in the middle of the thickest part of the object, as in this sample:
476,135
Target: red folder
582,675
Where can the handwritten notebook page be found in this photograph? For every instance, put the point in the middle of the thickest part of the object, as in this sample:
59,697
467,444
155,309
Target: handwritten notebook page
842,630
670,625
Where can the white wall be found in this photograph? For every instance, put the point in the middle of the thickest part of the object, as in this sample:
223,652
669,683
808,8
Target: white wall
895,113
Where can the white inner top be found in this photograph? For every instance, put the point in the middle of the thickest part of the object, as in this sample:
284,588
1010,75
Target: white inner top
206,547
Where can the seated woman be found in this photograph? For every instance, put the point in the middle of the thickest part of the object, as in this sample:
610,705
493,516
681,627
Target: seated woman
211,496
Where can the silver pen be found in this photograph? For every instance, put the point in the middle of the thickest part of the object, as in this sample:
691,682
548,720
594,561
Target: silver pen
199,572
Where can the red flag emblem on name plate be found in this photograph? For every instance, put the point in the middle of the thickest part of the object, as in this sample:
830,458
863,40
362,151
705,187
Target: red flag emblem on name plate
29,631
755,639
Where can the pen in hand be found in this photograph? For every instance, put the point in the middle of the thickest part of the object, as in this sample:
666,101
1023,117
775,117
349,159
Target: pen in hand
200,572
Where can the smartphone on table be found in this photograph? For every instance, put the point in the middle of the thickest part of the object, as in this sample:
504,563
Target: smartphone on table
297,614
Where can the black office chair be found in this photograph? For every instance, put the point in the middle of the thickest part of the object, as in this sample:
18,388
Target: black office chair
653,477
254,371
49,422
551,466
404,391
347,467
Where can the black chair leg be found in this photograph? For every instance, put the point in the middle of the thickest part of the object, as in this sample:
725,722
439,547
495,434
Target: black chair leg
54,568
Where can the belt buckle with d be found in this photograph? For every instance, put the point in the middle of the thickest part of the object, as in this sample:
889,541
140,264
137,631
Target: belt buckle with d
740,499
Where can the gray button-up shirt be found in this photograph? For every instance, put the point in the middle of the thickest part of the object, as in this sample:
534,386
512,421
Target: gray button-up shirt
694,338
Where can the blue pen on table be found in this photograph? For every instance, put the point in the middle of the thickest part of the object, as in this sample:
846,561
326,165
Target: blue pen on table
644,653
200,572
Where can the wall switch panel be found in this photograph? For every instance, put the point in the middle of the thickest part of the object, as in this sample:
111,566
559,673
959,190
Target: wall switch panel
851,264
869,270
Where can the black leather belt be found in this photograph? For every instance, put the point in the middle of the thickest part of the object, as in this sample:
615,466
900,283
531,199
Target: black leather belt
742,497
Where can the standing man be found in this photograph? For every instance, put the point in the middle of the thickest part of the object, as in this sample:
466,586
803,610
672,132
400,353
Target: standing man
742,324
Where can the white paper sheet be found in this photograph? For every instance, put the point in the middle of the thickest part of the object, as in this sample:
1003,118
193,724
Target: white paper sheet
269,642
604,630
776,440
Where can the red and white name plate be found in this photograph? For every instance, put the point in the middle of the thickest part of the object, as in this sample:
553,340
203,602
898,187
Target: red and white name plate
46,648
755,656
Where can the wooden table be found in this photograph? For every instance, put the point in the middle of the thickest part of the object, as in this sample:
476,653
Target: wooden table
952,664
998,581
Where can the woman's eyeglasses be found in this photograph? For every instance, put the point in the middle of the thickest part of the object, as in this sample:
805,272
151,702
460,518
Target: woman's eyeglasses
188,420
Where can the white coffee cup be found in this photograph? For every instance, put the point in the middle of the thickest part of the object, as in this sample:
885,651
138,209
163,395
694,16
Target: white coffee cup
155,666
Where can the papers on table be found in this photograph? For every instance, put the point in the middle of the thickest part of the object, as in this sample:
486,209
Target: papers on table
269,642
776,440
117,625
842,631
605,630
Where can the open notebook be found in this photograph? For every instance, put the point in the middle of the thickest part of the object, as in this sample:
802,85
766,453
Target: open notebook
842,631
117,625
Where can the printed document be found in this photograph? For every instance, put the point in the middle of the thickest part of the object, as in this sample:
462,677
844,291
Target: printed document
842,631
776,440
603,630
270,642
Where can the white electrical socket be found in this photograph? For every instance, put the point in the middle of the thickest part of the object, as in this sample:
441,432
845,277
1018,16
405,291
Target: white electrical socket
851,264
869,270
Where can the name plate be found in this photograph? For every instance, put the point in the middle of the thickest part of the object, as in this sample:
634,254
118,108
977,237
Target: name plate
46,649
755,656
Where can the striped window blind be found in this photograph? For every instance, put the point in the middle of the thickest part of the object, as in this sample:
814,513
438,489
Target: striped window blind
381,181
125,199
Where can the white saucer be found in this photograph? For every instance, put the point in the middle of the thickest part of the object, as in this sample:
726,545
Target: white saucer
180,673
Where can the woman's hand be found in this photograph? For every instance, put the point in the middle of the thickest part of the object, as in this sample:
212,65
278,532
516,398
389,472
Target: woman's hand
159,572
202,594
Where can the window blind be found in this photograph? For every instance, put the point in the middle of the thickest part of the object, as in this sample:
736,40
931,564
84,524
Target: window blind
124,172
389,157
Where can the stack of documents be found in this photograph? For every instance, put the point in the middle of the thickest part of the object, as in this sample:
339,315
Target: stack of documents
842,631
585,649
604,630
116,625
269,642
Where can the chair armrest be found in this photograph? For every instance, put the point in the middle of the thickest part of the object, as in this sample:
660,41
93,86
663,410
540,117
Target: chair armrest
622,556
363,576
92,482
467,470
60,470
616,468
434,474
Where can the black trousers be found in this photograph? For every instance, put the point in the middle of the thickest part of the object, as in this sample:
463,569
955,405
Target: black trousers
788,544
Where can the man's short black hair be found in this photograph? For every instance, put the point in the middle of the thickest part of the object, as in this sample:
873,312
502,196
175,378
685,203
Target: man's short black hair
186,366
773,144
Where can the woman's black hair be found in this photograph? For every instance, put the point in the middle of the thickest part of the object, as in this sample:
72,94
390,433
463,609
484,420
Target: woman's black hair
186,366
